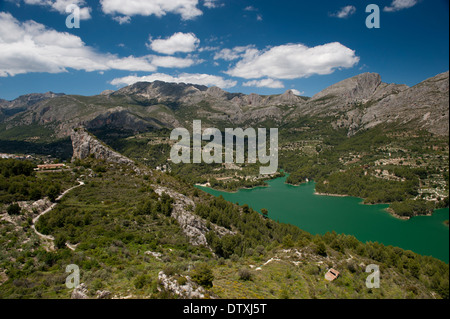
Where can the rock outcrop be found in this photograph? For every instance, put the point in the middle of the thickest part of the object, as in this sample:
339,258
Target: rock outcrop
193,226
426,104
187,290
85,145
80,292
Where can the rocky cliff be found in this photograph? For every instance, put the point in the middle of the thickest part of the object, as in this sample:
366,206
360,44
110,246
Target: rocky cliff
85,145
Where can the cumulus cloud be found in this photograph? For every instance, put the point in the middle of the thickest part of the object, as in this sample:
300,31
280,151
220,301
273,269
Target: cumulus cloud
200,79
61,5
186,8
234,54
31,47
266,83
344,12
398,5
293,61
179,42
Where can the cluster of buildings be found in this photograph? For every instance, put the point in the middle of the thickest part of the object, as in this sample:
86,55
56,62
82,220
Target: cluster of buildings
13,156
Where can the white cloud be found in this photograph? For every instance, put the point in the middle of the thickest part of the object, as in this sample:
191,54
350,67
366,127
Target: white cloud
297,92
31,47
344,12
398,5
250,8
200,79
212,4
179,42
186,8
234,54
122,19
267,83
61,5
293,61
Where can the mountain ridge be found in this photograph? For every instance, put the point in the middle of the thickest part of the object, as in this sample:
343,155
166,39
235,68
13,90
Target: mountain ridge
356,104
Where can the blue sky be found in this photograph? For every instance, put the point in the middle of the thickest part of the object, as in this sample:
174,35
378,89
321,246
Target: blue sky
249,46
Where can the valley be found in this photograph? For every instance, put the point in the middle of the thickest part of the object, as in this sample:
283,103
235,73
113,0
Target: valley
139,228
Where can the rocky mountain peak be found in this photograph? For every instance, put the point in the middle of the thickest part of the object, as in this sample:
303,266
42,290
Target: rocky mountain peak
355,89
161,90
288,97
215,92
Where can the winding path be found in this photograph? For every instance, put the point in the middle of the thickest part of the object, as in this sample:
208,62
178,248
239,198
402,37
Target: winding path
35,220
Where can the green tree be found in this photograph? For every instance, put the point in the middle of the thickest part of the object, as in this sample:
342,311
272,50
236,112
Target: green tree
14,209
321,249
265,212
60,242
53,193
202,275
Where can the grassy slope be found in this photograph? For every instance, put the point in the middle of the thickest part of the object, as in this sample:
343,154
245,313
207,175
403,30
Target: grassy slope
113,239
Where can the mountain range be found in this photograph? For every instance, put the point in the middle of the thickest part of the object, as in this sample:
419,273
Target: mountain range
356,104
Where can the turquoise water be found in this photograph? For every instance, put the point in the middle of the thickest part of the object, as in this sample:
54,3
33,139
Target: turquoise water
298,205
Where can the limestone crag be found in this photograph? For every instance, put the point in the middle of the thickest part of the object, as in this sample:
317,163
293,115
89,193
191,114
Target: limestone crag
85,145
193,226
188,290
80,292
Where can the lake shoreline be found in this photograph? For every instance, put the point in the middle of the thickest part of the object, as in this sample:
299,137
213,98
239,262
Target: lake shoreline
388,210
331,195
302,207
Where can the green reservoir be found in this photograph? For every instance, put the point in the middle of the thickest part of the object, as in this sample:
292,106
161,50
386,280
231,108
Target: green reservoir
298,205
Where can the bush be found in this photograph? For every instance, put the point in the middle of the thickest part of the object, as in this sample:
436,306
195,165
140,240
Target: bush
321,249
245,274
60,242
14,209
141,281
203,275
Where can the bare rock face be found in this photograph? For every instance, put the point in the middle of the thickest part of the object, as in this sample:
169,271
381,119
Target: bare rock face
188,290
216,92
363,102
427,104
80,292
85,145
193,226
358,88
103,294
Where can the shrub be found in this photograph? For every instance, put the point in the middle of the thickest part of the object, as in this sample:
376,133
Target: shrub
245,274
321,249
60,242
14,209
203,275
141,281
